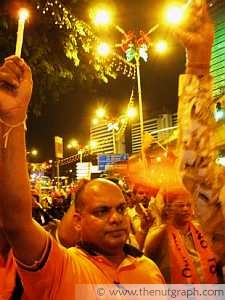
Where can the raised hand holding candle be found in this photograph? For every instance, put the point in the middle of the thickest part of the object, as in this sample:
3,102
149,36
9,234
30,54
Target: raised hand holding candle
23,15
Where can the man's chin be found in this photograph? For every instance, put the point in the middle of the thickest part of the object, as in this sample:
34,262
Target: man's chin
116,239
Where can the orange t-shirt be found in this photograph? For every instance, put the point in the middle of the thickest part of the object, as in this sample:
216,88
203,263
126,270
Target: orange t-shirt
7,276
65,270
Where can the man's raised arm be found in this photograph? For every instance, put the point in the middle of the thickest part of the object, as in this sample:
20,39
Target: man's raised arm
27,239
196,149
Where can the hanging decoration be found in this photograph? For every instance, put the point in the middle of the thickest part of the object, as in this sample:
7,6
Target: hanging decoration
81,33
119,64
134,46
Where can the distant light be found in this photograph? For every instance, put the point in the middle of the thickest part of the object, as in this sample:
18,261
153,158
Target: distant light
34,152
131,112
23,14
100,112
174,14
158,159
95,121
161,46
123,120
103,49
93,144
74,143
101,17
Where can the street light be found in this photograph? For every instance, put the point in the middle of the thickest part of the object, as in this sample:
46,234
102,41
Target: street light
34,152
73,144
161,46
114,127
131,112
175,14
137,47
95,121
100,113
101,17
103,49
80,152
116,124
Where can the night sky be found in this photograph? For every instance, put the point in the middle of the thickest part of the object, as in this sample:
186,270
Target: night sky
70,118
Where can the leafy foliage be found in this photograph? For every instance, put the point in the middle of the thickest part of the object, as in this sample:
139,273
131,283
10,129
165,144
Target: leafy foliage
60,58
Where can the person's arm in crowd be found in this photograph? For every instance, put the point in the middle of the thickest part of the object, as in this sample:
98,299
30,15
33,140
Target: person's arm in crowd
146,221
66,232
153,241
27,239
196,149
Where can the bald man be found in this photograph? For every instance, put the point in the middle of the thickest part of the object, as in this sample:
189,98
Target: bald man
49,271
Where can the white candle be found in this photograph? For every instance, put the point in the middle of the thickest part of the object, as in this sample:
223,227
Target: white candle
23,14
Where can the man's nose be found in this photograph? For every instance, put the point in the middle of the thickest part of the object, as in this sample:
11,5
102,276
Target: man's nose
186,207
115,217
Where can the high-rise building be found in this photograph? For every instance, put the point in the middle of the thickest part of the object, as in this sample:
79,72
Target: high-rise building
217,11
103,137
108,137
159,128
108,142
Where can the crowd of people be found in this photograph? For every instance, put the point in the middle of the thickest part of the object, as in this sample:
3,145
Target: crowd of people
48,205
108,234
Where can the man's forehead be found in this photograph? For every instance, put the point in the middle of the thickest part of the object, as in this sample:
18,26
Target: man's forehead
100,185
103,193
110,202
181,201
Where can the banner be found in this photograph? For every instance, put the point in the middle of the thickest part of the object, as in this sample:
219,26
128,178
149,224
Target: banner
58,147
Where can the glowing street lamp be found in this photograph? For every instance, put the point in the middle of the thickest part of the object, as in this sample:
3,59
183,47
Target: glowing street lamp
73,144
34,152
114,127
100,112
131,112
101,17
95,121
136,48
103,49
175,14
161,47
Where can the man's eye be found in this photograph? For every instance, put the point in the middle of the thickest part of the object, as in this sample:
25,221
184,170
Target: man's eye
122,209
101,212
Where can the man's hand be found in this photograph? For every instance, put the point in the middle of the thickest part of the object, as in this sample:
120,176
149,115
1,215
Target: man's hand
196,34
146,217
15,90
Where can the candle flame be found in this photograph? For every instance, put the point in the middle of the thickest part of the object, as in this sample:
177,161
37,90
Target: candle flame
23,14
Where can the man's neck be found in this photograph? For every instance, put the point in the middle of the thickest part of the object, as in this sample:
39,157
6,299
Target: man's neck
115,257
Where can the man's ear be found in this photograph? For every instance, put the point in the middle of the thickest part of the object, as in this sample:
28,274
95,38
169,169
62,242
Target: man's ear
77,221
